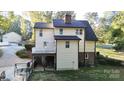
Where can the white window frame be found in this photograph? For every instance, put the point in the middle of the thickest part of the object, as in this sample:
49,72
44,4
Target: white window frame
77,32
41,33
61,31
81,31
45,44
67,44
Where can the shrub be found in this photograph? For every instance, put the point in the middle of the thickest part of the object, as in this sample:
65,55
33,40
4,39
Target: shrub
22,54
29,47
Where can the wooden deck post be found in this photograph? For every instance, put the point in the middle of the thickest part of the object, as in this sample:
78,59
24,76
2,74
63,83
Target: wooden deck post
33,62
43,61
55,62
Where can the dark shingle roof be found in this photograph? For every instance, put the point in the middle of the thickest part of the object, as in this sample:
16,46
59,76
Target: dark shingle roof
74,23
58,37
89,33
40,25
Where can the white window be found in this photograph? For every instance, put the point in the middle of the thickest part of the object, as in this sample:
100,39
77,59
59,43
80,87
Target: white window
61,31
45,43
80,31
67,44
41,33
86,56
76,32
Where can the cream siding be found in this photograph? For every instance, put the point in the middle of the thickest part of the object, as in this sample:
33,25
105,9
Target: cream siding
67,58
48,36
72,31
89,46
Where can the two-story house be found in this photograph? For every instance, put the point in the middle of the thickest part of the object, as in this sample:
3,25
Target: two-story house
64,44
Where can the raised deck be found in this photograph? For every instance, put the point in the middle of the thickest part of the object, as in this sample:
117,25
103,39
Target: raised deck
43,51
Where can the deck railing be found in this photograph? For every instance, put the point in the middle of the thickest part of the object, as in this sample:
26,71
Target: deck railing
45,50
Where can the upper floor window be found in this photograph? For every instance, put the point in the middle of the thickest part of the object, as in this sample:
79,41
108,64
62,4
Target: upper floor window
61,31
67,44
41,33
80,31
76,32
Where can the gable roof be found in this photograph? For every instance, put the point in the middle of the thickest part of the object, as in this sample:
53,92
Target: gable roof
89,33
58,37
40,25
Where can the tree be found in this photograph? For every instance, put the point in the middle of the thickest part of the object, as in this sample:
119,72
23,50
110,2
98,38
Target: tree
117,30
48,15
15,26
92,17
36,16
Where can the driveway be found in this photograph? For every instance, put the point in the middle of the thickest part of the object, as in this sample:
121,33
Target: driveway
9,57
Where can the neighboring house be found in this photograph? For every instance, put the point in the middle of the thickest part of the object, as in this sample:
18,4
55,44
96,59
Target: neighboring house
64,44
12,37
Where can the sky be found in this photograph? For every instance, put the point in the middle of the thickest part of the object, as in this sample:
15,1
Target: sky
79,14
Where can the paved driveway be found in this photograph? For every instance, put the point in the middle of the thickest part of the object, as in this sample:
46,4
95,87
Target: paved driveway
9,57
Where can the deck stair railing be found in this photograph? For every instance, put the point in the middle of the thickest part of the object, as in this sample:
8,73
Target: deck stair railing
22,70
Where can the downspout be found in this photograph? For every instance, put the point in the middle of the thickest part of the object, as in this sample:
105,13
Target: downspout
56,57
78,53
84,49
95,54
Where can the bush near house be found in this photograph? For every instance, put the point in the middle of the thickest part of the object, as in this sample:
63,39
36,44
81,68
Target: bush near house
1,53
23,54
28,47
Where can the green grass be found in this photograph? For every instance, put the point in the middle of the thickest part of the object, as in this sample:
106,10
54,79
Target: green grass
99,73
22,53
1,52
111,53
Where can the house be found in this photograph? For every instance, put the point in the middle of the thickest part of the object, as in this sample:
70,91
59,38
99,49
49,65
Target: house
64,44
12,37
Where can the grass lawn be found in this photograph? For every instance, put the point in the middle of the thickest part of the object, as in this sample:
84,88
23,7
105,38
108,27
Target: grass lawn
98,73
111,53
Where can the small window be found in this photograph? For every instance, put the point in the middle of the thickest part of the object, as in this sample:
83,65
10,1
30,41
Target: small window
41,33
86,56
80,31
61,31
67,45
76,31
45,44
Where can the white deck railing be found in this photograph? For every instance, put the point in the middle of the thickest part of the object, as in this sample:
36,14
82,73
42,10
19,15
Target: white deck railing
45,50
